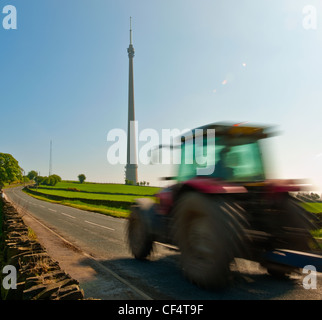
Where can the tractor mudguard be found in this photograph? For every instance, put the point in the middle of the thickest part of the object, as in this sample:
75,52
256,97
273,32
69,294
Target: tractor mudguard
206,185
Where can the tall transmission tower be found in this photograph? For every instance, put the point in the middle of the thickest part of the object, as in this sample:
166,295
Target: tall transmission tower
131,169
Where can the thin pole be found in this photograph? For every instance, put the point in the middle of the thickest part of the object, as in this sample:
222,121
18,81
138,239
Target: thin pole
130,30
50,158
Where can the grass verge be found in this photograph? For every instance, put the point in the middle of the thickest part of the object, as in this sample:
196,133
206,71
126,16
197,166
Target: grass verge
115,212
314,207
108,188
110,199
91,196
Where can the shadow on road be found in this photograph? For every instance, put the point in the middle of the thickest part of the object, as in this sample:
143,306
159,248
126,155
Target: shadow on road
162,279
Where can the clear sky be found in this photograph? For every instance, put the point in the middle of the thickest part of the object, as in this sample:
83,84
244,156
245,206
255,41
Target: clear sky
64,77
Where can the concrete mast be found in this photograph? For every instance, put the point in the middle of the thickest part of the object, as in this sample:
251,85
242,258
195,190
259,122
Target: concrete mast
131,172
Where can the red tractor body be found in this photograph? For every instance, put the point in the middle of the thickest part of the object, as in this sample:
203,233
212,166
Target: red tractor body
222,207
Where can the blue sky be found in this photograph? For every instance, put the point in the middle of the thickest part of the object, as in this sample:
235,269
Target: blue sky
64,77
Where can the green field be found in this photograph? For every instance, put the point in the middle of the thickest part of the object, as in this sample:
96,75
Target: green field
88,195
314,207
105,188
111,199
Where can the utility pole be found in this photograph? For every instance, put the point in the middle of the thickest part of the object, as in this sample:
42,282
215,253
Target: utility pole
50,158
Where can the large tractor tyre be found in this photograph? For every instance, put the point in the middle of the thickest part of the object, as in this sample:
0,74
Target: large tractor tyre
139,239
210,235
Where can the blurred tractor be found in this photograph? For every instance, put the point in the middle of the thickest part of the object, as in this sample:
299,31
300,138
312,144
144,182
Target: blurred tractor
230,212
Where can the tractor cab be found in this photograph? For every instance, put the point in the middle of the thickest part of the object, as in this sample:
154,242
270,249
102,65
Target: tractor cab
225,152
217,159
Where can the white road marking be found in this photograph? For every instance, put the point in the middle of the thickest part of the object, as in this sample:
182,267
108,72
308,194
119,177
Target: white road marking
52,210
98,225
169,246
68,215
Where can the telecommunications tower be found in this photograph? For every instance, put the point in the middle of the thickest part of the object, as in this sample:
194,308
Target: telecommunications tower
131,169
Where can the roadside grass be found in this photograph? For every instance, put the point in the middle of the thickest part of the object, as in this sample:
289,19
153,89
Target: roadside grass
317,233
31,234
314,207
73,192
85,195
14,185
115,212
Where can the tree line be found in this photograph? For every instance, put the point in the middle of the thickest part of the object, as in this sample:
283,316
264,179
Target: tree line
51,180
11,172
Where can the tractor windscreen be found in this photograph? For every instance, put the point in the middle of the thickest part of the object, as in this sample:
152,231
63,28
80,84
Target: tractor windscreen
228,159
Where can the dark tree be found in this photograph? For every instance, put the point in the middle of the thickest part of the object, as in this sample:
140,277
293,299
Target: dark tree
81,178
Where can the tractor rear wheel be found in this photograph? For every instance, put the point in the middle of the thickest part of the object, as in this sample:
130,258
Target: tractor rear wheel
209,235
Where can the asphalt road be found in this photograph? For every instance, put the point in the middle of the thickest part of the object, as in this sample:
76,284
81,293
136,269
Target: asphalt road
103,238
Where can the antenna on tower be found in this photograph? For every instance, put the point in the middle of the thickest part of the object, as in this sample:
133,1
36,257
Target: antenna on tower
130,30
50,157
